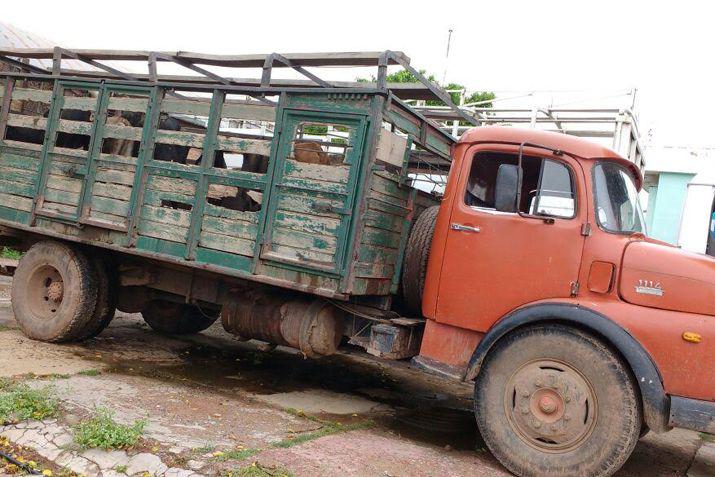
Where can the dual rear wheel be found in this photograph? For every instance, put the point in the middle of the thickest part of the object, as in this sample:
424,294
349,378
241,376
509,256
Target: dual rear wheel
59,294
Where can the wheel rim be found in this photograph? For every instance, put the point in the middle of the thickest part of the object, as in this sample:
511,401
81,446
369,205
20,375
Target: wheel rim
550,405
45,291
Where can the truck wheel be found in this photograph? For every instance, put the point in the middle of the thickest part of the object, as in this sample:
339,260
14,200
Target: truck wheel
553,401
177,318
106,301
54,292
414,268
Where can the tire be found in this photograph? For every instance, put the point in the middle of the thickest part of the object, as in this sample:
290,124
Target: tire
177,318
106,301
54,292
414,268
554,401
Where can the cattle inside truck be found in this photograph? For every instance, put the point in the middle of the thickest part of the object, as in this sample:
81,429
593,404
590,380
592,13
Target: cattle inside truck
286,209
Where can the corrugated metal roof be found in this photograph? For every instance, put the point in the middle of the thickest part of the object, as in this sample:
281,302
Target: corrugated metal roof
11,36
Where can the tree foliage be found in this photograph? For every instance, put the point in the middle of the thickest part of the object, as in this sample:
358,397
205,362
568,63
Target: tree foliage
404,76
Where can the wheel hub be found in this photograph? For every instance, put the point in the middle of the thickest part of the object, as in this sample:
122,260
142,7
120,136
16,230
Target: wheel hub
55,291
550,405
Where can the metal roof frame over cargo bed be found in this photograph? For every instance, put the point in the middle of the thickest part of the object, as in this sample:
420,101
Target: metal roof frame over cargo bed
318,200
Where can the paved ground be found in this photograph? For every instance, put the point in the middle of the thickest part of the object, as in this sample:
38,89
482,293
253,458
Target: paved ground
214,405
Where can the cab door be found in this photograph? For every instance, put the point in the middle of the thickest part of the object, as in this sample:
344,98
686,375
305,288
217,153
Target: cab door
496,261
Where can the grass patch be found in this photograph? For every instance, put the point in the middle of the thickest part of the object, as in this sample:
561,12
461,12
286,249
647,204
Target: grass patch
237,454
122,469
707,437
205,449
10,253
18,402
90,372
328,429
258,470
103,432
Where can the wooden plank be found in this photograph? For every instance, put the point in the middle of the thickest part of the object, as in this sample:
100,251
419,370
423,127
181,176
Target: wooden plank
320,243
156,197
373,253
314,186
25,121
41,96
15,202
113,176
64,183
67,169
67,154
117,131
162,231
299,254
211,210
197,107
166,215
381,237
109,218
257,112
317,172
180,138
137,105
75,127
86,103
226,244
61,197
232,228
112,191
57,207
18,161
16,188
109,206
308,204
374,270
17,175
383,220
242,145
23,145
389,187
113,158
171,184
307,223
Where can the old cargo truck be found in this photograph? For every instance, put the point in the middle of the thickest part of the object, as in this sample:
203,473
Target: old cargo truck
288,209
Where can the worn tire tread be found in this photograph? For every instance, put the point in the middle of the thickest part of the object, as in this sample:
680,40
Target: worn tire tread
414,268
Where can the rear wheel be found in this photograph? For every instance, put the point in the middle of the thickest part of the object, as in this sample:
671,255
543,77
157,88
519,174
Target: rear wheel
177,318
54,292
106,300
553,401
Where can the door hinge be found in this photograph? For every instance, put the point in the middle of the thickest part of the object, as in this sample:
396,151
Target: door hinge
586,229
574,288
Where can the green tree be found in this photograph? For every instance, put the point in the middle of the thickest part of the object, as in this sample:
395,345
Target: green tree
404,76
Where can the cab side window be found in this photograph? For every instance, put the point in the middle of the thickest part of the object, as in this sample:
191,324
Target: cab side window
546,186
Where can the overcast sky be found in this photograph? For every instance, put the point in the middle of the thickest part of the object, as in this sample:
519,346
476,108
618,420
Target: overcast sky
664,49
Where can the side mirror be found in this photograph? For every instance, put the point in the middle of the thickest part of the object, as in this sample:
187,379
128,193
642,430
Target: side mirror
505,192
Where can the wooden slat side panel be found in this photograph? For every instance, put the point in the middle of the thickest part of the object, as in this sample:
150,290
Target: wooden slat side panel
317,172
225,243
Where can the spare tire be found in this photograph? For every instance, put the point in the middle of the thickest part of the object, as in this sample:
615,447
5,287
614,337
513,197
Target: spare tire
414,267
177,318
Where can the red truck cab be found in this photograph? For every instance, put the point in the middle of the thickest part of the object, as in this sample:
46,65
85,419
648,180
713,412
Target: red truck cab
542,285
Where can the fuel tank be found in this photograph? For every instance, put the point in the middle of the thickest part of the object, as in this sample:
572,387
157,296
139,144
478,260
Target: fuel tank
666,277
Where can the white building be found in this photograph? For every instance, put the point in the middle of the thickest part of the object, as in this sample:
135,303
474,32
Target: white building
680,182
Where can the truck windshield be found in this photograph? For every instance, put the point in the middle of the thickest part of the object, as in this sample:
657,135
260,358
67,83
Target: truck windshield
616,199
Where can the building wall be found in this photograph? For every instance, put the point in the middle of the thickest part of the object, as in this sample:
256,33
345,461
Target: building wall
666,210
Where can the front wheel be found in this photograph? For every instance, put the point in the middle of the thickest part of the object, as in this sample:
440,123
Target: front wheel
554,401
177,318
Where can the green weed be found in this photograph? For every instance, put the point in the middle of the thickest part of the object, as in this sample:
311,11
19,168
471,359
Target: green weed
103,432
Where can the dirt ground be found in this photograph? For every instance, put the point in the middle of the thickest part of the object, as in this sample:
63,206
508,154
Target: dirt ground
214,405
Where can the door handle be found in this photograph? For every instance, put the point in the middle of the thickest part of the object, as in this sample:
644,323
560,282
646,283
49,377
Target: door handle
465,228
